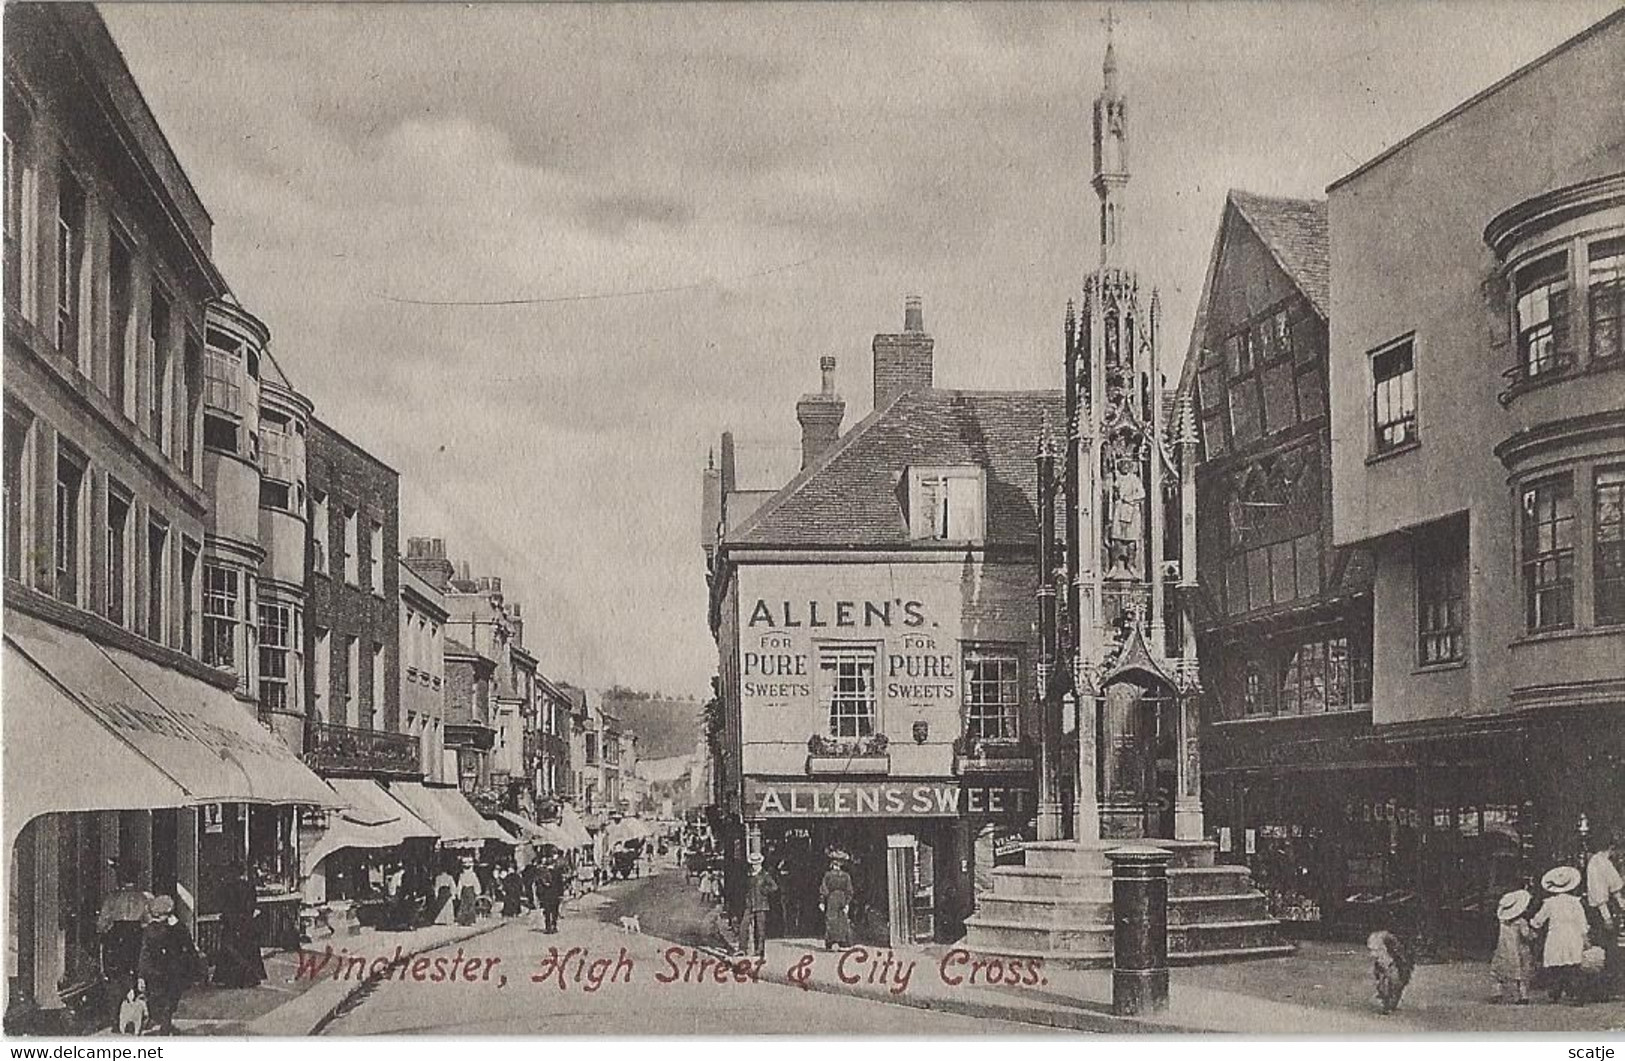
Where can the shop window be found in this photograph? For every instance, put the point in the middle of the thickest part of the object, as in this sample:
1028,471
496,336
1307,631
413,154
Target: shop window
847,690
277,638
1542,316
1606,296
1441,595
1393,377
70,503
992,695
70,263
221,598
119,571
946,504
1548,554
1608,547
272,846
157,581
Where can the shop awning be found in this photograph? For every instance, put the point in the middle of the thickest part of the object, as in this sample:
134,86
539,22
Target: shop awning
452,816
87,727
373,819
570,821
547,833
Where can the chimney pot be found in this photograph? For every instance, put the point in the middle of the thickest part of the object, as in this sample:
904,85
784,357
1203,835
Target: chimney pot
913,314
826,365
820,415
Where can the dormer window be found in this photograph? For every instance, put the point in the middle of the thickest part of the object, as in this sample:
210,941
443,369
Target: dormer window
946,504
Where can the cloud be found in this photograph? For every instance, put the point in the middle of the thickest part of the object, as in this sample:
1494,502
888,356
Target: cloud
350,153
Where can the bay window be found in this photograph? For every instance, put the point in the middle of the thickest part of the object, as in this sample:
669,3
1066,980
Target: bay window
1608,545
1542,303
221,596
1548,554
1606,298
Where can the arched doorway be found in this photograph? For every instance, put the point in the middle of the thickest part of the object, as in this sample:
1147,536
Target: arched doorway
1139,756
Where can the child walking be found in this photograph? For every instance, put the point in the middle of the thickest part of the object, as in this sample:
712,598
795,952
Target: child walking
1514,963
1391,965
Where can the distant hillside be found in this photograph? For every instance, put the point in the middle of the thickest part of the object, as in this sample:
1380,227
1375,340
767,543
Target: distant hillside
665,725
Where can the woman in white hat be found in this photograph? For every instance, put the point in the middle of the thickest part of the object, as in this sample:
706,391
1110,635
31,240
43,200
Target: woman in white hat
1564,920
1514,963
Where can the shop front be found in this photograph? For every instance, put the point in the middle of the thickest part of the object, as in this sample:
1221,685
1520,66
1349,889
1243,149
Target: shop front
904,838
115,765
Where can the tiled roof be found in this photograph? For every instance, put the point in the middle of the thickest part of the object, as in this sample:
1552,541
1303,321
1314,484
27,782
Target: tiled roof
1294,230
852,495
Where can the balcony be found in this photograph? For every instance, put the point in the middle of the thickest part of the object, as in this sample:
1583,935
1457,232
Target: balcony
333,749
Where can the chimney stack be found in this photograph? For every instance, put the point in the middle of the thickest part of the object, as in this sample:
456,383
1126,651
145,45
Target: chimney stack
820,415
903,360
427,557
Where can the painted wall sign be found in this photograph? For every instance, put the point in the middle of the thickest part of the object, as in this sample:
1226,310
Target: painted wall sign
894,633
1005,800
851,799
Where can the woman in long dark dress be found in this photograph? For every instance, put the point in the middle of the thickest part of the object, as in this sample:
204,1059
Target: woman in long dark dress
512,892
835,898
238,962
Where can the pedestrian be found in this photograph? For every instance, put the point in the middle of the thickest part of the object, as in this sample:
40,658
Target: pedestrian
1605,907
760,892
1391,966
512,894
1564,920
708,886
118,930
468,893
169,963
444,907
835,900
1514,963
550,890
237,960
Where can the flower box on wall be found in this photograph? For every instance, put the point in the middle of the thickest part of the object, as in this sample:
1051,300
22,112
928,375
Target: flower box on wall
848,764
976,756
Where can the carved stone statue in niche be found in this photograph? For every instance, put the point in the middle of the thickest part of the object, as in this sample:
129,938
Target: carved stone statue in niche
1125,527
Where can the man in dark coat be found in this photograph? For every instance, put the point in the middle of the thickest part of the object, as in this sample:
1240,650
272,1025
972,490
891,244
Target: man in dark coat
760,892
169,963
550,892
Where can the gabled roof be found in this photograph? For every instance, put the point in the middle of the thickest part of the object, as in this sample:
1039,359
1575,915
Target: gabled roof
1294,230
852,497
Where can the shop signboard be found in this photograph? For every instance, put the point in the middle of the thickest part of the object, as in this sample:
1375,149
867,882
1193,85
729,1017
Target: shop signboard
851,799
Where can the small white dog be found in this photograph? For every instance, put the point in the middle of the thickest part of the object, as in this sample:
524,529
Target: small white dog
132,1011
632,926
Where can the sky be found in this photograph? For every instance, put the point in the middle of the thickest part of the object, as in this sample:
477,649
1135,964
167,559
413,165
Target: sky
700,201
